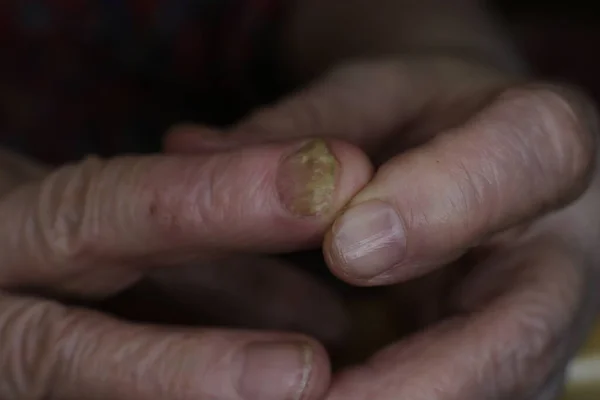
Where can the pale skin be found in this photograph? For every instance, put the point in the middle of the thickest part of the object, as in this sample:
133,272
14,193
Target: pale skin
479,161
166,211
485,199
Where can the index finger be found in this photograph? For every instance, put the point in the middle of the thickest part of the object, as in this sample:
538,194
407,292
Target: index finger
531,151
162,209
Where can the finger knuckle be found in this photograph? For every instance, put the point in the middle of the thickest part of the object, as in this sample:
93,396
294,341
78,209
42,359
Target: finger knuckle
475,196
167,211
163,213
203,201
217,193
227,197
536,318
29,364
65,211
508,365
562,121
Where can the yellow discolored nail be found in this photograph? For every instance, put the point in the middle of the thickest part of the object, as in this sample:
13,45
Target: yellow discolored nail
307,178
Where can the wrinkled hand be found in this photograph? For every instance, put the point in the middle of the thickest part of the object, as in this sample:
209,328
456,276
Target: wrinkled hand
90,230
483,214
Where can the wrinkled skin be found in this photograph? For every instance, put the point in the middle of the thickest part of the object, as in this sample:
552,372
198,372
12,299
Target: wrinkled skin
495,183
90,230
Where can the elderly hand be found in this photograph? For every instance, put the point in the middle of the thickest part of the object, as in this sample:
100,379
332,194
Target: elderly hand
487,195
90,230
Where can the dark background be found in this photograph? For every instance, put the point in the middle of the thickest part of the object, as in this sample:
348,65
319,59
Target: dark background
561,39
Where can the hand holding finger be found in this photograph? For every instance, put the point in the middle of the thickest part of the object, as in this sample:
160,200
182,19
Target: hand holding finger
530,151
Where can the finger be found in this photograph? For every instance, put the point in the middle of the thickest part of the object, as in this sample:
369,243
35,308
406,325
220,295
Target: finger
150,210
196,139
257,293
531,151
51,352
362,104
506,342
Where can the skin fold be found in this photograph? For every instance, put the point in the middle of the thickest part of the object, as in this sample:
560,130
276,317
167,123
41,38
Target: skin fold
453,196
478,233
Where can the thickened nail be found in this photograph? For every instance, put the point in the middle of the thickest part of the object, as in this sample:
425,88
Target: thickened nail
306,179
369,239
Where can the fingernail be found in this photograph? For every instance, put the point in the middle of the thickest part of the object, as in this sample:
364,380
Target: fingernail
275,371
306,179
369,239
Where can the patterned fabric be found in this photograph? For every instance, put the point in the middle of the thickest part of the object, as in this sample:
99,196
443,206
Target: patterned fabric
108,76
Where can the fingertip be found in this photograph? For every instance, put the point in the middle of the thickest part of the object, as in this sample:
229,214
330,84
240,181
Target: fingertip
356,170
318,371
366,244
296,368
320,177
